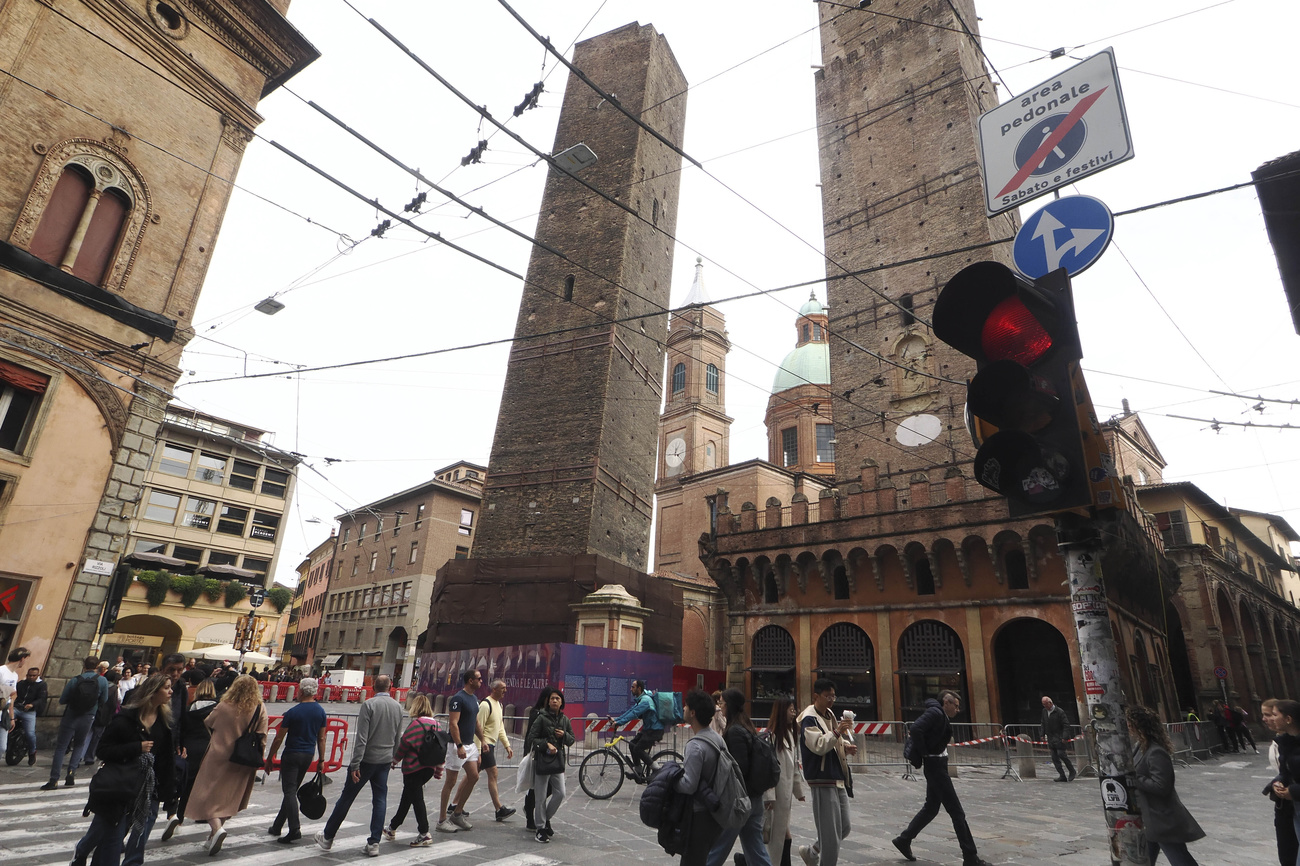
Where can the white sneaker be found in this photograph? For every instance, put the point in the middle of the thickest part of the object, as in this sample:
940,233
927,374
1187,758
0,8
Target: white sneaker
424,840
461,821
809,857
372,849
446,826
390,834
213,844
325,844
171,828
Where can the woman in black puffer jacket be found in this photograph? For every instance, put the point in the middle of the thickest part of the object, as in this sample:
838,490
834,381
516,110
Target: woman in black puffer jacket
138,737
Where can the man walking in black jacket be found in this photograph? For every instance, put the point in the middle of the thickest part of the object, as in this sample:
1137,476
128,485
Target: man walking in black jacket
931,733
1055,725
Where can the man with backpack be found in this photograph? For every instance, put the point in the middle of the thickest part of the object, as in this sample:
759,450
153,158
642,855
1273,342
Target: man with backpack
81,696
824,750
652,728
711,776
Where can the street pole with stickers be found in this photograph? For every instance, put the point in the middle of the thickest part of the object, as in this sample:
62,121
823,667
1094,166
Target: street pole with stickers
1079,539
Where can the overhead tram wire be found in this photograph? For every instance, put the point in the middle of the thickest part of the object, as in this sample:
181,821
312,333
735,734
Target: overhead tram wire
532,240
550,160
613,321
761,292
829,259
177,157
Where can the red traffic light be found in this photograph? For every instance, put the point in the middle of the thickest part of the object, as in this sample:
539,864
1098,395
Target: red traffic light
990,313
1012,333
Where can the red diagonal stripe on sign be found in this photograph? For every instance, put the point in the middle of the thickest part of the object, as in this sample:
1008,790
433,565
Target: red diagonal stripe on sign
1052,140
8,596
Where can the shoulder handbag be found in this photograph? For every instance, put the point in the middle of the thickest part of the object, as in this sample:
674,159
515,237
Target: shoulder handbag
249,750
311,796
115,784
549,763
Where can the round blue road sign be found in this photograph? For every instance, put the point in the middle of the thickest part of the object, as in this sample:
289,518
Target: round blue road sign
1070,232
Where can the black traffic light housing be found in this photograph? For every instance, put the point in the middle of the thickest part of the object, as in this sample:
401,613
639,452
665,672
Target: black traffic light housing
1025,342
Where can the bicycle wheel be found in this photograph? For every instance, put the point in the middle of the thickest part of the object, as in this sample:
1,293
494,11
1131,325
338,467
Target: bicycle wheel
667,756
601,774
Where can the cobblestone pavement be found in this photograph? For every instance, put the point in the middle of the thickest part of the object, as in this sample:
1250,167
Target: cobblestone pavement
1035,821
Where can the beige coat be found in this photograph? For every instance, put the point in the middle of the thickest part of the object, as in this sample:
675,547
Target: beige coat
222,789
789,788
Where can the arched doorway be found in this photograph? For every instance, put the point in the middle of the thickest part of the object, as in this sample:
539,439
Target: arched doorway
1032,660
1255,653
771,669
141,638
845,654
1237,681
1179,661
931,659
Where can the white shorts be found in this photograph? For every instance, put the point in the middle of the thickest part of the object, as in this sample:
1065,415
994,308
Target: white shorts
454,763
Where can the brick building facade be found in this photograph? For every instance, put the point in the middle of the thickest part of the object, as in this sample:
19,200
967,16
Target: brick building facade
124,123
908,577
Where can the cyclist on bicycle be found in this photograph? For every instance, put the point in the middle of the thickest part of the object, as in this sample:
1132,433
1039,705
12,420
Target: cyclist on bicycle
652,730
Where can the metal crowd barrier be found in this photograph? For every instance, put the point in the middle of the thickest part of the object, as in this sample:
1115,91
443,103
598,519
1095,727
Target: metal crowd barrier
1027,748
1194,741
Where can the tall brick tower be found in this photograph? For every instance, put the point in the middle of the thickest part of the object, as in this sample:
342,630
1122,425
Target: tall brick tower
573,462
897,103
567,505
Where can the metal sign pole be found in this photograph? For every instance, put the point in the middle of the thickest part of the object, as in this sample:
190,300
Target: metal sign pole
1080,545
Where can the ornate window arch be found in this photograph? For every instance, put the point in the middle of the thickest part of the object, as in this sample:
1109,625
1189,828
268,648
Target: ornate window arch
86,212
679,378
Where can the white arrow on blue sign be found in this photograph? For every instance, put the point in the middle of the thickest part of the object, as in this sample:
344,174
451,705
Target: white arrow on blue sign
1070,232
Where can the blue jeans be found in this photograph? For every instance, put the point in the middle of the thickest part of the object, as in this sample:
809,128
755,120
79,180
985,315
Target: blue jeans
377,777
27,727
74,730
751,839
104,837
133,853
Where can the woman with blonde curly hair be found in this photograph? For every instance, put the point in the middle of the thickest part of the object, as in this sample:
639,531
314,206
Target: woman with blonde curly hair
222,788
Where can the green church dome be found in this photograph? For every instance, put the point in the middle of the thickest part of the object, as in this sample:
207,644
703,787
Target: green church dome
809,363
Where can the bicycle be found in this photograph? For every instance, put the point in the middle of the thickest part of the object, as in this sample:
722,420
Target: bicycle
602,772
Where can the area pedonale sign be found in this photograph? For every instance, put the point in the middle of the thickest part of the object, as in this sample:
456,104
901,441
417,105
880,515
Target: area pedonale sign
1058,132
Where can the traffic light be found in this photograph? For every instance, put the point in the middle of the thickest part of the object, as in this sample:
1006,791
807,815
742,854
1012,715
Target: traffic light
1027,406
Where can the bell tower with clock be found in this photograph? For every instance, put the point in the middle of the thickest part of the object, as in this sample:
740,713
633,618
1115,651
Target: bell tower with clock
694,429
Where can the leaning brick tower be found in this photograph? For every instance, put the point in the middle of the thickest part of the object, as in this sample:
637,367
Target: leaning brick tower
898,98
568,500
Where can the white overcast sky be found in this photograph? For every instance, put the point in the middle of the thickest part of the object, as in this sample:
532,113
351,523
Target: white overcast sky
1186,301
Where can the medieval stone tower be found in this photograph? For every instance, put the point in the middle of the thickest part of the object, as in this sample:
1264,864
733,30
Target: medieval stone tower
568,501
573,461
897,103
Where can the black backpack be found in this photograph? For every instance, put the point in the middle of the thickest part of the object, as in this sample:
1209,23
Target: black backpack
433,748
85,695
764,769
106,710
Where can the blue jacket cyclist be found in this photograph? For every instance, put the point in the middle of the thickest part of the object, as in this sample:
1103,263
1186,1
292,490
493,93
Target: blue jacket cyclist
652,730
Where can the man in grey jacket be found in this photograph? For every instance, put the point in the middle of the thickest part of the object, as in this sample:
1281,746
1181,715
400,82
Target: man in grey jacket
379,726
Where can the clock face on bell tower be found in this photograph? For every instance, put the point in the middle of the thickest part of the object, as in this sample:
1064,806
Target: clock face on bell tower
694,428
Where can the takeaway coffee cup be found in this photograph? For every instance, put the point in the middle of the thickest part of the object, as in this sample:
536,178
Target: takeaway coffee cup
848,716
